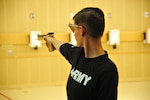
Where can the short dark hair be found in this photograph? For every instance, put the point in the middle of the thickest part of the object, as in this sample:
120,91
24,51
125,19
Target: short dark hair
92,19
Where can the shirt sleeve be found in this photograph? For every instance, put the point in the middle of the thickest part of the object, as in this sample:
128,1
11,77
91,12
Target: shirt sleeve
65,50
71,52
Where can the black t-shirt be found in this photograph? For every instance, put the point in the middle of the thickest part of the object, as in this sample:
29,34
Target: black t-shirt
90,78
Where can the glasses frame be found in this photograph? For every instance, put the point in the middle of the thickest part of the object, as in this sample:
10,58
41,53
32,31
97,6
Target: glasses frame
72,26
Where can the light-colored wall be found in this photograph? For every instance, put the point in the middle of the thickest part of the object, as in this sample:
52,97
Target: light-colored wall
26,67
53,15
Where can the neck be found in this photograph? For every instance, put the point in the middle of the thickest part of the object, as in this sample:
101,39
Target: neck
93,48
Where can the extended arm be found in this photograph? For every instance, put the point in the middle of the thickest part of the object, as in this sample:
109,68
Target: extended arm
54,42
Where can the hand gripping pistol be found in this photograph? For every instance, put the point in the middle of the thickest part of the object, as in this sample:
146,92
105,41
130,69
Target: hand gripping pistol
50,46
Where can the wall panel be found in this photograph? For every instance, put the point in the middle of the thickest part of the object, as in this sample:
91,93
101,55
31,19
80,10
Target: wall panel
127,15
26,67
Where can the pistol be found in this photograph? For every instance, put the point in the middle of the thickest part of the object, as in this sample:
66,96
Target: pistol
51,34
49,45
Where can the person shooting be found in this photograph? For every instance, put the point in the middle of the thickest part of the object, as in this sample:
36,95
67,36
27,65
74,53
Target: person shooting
93,74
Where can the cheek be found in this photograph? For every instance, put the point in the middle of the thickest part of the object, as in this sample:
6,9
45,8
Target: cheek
75,35
78,39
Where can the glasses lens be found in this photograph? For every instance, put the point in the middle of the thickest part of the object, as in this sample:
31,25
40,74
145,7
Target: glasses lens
72,27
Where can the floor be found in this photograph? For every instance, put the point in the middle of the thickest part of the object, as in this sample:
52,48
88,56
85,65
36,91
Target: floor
126,91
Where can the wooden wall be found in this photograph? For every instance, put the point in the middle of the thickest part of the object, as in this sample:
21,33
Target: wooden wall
22,66
50,15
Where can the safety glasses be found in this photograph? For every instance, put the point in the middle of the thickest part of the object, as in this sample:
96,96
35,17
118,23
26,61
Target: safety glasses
72,26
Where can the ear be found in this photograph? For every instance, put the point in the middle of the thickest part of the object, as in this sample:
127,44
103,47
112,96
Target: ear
83,30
